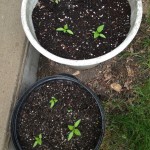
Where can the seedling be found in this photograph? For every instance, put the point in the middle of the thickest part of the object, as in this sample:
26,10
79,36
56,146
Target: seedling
98,32
65,29
74,130
52,102
55,1
38,140
69,110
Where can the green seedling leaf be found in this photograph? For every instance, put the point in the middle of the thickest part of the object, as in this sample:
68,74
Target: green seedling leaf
70,127
70,32
38,140
69,110
55,100
70,136
52,102
77,132
102,35
76,124
74,130
66,27
40,136
55,1
96,35
65,31
100,28
35,144
60,29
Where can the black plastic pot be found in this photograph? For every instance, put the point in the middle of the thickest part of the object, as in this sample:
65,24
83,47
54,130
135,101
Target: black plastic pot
22,100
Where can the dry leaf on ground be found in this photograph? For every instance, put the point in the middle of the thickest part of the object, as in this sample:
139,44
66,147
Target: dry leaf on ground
117,87
107,77
130,71
76,73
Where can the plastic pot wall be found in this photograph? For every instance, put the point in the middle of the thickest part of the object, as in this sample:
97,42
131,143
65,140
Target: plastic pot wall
23,99
26,16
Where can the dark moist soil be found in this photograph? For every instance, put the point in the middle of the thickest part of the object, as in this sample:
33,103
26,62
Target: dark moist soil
36,117
82,19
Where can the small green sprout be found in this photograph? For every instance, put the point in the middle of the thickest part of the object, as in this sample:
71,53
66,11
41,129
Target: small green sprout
98,33
55,1
38,140
52,102
69,110
74,130
65,29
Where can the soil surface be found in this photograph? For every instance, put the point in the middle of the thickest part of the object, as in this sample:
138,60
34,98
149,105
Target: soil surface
83,17
37,117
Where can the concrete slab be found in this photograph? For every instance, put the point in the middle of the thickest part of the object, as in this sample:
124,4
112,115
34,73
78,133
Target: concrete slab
28,77
12,55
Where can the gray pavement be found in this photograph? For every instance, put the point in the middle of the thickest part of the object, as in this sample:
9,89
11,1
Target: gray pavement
12,55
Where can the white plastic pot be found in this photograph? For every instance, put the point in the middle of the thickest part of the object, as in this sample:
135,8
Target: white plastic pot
26,16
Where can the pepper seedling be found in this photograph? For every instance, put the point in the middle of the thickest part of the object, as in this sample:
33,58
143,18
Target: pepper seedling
98,32
69,110
52,102
74,130
55,1
38,140
65,29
